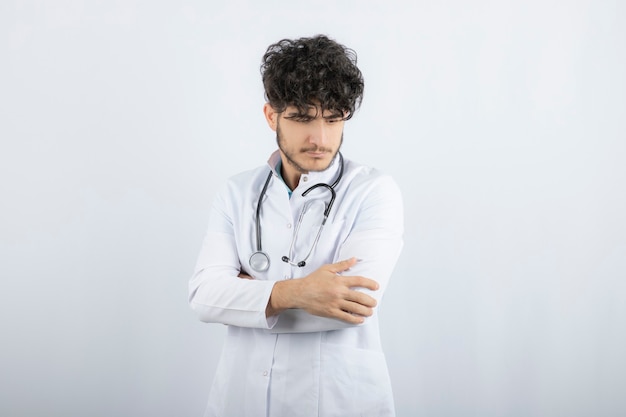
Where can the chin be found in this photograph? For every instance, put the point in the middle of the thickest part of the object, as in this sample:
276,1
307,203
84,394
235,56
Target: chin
318,164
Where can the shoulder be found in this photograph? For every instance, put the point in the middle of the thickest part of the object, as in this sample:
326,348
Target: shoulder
374,197
364,178
238,190
250,179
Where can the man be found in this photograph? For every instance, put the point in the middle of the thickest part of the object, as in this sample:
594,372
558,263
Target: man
299,252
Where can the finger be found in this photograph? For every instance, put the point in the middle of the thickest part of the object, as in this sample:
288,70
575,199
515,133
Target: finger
349,318
360,298
343,265
358,309
362,282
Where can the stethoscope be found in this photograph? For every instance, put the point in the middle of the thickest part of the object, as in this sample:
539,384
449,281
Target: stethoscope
259,260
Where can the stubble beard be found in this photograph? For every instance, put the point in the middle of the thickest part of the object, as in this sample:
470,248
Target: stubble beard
290,155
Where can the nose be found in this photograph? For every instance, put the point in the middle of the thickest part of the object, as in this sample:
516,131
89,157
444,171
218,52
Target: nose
319,132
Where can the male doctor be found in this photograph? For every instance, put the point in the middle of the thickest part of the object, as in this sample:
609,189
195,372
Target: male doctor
299,251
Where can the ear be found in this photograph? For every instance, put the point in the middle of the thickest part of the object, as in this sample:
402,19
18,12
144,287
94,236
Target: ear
271,116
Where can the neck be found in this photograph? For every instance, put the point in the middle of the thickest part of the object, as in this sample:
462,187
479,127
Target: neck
290,171
290,176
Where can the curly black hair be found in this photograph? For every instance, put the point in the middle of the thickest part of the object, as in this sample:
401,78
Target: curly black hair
314,71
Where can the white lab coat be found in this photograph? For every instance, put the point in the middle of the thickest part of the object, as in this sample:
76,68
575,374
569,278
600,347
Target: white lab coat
296,364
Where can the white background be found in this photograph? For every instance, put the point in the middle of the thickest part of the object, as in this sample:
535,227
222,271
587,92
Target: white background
503,122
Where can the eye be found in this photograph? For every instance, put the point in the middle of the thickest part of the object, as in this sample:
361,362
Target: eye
334,117
300,118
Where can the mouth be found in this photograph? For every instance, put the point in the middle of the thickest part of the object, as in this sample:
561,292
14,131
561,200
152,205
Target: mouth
316,153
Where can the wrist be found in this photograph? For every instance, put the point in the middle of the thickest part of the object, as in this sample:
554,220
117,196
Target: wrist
282,297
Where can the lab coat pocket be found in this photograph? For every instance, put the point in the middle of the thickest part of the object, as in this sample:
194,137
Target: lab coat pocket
354,382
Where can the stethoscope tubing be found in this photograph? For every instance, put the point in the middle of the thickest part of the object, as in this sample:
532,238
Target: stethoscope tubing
259,248
265,262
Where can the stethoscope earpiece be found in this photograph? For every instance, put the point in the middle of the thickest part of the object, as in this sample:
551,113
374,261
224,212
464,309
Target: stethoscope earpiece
286,260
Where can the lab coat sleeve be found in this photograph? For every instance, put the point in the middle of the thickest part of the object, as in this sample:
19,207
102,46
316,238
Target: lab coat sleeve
216,293
376,239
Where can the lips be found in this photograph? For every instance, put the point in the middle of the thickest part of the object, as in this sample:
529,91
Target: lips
316,154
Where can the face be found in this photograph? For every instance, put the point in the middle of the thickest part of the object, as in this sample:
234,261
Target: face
307,142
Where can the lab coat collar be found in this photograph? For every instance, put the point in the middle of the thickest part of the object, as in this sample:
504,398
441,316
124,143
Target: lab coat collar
327,176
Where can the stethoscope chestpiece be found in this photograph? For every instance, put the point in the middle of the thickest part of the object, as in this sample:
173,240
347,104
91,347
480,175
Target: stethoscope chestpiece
259,261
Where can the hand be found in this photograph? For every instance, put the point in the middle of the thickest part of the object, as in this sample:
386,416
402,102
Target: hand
244,275
324,293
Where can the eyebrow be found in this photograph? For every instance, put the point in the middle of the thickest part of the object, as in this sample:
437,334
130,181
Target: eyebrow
332,115
298,114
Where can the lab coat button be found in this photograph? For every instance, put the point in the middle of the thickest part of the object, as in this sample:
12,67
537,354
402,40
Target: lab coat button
305,178
288,225
264,373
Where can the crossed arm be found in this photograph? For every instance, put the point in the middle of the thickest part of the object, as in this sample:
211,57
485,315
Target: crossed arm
334,296
324,293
